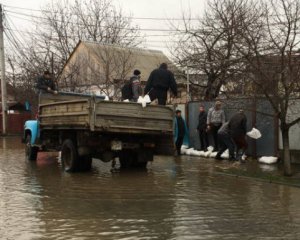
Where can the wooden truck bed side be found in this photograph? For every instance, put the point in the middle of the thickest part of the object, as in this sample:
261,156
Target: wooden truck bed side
65,115
132,118
106,116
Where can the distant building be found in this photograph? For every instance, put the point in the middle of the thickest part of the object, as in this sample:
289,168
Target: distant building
102,69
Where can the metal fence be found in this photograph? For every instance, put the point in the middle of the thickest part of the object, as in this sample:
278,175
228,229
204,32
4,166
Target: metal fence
259,114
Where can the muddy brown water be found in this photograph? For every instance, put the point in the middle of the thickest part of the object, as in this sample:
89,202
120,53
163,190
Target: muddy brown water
179,198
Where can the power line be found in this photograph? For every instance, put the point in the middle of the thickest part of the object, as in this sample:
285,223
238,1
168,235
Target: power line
148,35
86,25
128,17
39,34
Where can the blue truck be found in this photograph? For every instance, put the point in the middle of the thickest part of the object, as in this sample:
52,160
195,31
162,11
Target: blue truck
85,127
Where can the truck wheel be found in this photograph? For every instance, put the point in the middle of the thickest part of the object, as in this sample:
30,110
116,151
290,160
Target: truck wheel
30,151
85,163
69,156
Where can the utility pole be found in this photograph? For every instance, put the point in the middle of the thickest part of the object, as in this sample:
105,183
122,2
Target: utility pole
3,81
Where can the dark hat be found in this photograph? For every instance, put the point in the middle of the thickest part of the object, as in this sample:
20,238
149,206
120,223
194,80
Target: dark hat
137,72
47,72
178,111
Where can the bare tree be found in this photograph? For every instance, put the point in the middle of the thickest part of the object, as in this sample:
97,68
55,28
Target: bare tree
60,27
207,46
270,48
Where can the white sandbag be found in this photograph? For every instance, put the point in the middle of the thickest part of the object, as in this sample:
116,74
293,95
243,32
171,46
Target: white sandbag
207,154
189,151
184,147
196,153
254,133
144,100
244,157
213,154
183,151
268,160
126,100
106,98
201,153
210,149
147,99
225,154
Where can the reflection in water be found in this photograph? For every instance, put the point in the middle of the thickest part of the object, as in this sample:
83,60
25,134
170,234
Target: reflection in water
177,198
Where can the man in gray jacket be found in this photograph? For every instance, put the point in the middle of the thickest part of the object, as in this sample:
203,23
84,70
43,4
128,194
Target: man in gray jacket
215,119
136,85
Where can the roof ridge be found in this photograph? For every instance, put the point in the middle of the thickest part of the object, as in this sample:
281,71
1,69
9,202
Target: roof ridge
123,47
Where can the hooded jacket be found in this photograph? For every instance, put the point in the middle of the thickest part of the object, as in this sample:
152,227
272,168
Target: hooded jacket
238,125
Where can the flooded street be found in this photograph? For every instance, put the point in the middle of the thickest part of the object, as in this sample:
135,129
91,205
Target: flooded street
179,198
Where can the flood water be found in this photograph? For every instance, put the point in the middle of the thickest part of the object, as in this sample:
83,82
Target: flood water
179,198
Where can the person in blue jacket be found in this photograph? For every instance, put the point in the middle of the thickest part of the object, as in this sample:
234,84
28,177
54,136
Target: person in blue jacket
181,132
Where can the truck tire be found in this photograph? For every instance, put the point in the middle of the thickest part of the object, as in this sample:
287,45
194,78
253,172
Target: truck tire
30,151
69,156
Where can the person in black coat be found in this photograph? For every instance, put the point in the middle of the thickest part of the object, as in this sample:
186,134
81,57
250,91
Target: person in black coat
158,84
202,128
45,84
238,128
181,131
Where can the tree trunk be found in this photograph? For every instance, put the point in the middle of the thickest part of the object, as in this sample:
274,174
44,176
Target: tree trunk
286,151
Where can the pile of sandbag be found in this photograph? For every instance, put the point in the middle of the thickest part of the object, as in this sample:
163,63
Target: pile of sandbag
142,100
208,154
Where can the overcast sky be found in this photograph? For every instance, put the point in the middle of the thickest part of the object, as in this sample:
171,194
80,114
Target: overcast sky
138,8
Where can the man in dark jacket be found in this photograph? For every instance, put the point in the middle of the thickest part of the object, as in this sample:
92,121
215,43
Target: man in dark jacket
202,128
238,128
181,131
159,82
225,142
45,84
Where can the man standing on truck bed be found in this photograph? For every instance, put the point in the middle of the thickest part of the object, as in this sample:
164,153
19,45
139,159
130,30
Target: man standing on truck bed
159,82
45,84
132,90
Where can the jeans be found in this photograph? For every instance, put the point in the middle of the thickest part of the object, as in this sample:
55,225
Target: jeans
226,143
